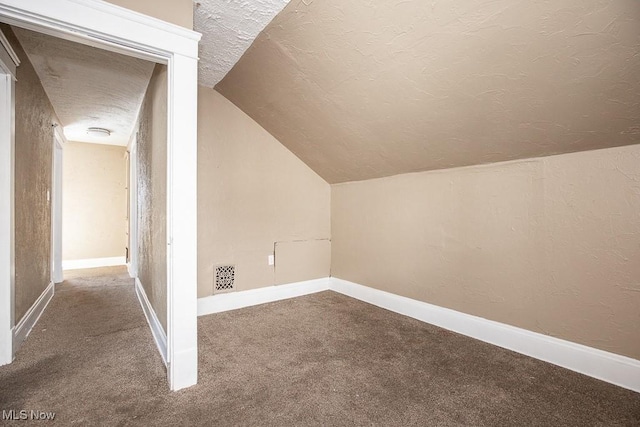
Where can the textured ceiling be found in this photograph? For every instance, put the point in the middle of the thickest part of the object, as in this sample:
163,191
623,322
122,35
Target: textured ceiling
88,87
228,28
365,89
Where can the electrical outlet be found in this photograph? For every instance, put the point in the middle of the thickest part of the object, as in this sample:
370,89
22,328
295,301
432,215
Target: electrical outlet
271,260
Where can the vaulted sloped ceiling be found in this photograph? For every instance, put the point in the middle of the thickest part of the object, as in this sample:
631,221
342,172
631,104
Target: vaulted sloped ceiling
365,89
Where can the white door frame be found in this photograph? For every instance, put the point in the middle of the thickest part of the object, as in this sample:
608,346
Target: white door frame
114,28
8,63
56,207
133,206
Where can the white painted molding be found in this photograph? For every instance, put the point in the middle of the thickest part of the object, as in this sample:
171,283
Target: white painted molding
57,273
7,211
236,300
7,46
132,184
612,368
29,320
9,61
59,18
182,223
75,264
159,336
57,129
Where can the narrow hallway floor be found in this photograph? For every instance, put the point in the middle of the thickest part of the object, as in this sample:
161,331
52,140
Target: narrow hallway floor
89,353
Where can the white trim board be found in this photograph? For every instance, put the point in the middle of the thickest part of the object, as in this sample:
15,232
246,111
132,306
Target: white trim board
612,368
7,212
75,264
235,300
103,25
8,58
57,275
157,331
30,318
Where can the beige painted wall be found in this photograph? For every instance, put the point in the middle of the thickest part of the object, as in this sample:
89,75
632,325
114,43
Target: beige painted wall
302,260
33,157
152,193
253,193
548,244
94,201
179,12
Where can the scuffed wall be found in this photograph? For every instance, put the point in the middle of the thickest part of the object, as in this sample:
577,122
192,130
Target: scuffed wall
252,194
179,12
33,166
547,244
152,193
94,201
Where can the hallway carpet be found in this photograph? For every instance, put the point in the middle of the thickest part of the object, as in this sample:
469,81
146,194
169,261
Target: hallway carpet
322,359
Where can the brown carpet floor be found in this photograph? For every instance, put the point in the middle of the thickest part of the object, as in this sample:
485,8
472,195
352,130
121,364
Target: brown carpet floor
323,359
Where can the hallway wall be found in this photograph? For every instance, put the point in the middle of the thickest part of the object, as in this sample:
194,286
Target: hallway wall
33,167
547,244
94,201
152,193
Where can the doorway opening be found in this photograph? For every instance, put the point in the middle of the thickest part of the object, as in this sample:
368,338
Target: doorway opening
111,28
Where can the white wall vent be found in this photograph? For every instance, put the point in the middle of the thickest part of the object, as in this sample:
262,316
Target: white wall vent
225,275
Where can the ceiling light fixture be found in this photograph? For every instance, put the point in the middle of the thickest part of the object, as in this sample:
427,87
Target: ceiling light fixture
98,132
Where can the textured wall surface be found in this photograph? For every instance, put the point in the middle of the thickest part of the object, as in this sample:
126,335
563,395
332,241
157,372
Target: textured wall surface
548,244
362,89
252,193
228,28
152,193
179,12
94,201
33,162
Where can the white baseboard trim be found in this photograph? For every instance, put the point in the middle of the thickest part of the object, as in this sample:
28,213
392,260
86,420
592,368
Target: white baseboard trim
30,318
75,264
235,300
159,336
130,270
610,367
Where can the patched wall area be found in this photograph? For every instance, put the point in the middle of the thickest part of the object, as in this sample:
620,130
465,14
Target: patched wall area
152,193
547,244
253,193
33,167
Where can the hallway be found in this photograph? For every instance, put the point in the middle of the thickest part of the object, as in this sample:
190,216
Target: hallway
89,353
